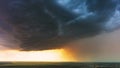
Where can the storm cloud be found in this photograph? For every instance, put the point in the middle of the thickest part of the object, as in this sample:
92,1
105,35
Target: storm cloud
48,24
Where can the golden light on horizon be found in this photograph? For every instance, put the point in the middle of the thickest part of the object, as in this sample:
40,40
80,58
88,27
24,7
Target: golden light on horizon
55,55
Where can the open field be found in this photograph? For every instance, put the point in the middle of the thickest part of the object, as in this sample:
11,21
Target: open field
57,65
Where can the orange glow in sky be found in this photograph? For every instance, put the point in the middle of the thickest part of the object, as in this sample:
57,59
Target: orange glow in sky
55,55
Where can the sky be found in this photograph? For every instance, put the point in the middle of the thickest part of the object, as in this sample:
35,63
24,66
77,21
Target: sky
89,27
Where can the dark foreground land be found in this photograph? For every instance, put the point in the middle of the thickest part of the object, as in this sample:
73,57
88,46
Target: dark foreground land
57,65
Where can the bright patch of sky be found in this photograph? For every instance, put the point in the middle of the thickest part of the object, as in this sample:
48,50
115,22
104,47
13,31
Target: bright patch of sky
78,7
114,22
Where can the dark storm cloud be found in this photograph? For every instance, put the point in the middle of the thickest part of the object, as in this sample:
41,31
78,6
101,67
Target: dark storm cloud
46,24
